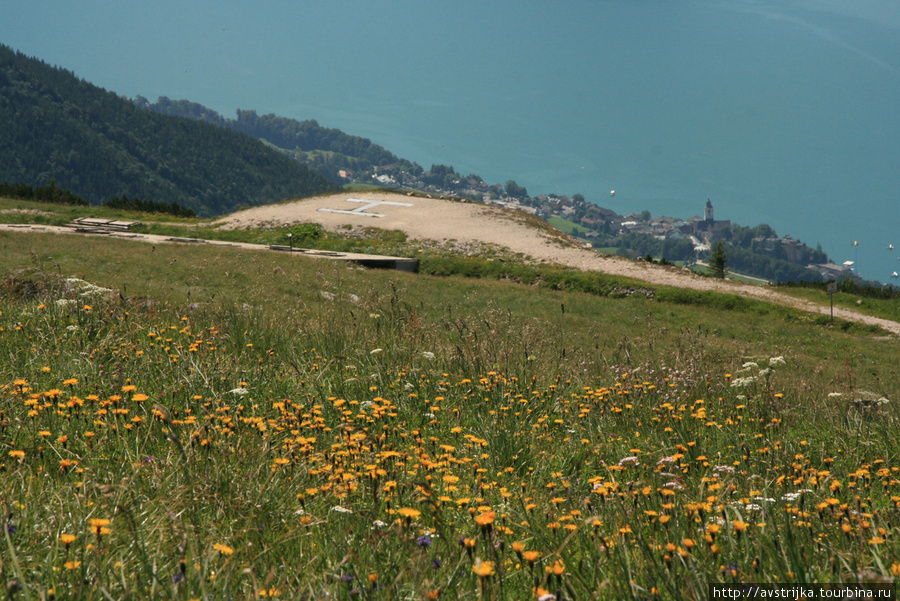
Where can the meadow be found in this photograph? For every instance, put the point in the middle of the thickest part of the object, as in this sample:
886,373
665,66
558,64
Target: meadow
211,423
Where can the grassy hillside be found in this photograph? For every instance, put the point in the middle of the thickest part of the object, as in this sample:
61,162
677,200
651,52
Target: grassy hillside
100,146
183,421
395,243
564,225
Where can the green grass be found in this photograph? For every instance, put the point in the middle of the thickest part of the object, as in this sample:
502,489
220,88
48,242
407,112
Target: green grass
565,225
359,187
885,308
313,430
374,241
703,269
24,211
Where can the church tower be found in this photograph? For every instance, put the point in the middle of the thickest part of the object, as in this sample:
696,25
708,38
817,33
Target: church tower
708,211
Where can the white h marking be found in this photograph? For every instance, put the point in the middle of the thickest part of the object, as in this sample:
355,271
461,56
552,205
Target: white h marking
369,204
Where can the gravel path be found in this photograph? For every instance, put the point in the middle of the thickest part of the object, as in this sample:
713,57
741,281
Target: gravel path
472,223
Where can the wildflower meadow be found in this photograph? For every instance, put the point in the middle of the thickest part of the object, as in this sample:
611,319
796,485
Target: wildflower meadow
364,451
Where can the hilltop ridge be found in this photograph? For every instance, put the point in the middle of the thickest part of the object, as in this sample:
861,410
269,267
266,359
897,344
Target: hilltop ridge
455,224
451,236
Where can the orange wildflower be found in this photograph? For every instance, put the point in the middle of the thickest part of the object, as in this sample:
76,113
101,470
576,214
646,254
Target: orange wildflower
485,519
484,569
409,513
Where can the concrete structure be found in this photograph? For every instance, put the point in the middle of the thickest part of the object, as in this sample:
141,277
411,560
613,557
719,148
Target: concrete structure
831,271
370,261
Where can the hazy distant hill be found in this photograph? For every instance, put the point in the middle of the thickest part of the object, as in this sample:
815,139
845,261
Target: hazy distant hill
100,146
325,150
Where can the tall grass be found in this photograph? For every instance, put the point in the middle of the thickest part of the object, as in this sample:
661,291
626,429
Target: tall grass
255,426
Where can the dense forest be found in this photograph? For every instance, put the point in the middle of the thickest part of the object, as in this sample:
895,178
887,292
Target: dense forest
148,206
49,193
761,265
100,146
324,150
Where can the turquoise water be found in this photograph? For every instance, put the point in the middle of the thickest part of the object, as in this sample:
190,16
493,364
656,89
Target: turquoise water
782,112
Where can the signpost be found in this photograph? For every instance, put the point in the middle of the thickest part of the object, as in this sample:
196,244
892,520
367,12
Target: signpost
831,288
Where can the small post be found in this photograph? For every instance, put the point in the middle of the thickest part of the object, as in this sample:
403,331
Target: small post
291,241
831,289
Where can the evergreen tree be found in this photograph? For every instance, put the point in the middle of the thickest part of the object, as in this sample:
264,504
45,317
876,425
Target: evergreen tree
717,260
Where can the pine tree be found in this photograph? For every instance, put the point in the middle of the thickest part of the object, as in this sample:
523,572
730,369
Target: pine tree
717,260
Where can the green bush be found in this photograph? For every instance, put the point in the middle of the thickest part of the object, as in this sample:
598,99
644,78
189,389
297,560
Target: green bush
304,233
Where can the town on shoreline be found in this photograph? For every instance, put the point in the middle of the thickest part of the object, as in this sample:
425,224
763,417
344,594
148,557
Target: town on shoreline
756,251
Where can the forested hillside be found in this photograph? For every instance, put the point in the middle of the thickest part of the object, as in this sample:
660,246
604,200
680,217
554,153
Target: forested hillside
325,150
101,146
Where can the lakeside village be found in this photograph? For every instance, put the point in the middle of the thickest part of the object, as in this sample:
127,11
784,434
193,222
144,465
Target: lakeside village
756,251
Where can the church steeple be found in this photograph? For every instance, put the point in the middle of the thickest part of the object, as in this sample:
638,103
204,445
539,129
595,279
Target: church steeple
708,211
